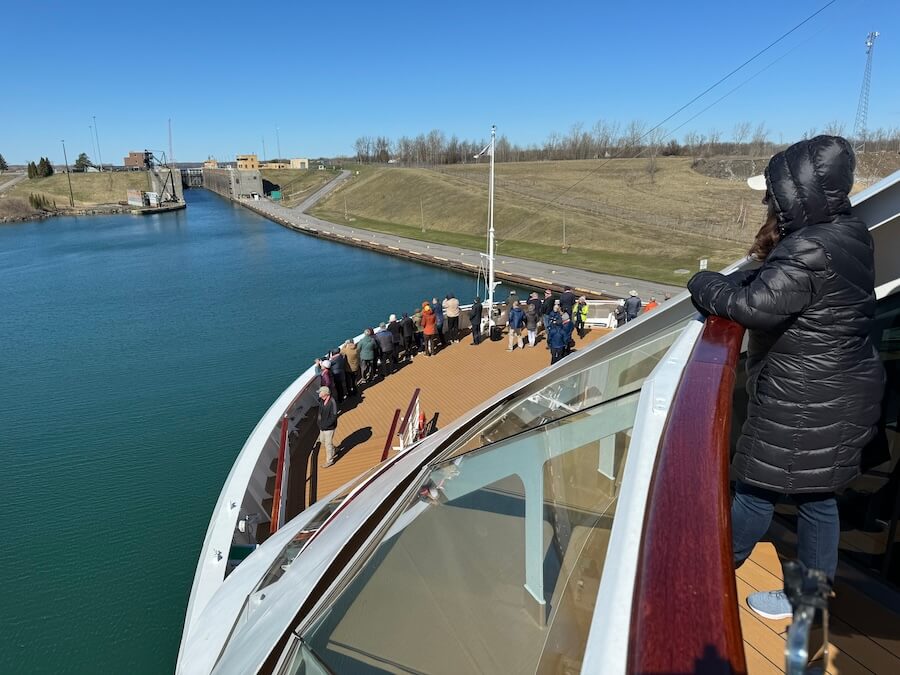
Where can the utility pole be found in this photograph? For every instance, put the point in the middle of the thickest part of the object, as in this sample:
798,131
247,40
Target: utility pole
264,148
862,109
97,133
93,145
68,175
171,151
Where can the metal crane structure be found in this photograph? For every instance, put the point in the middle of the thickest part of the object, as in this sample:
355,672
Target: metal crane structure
862,110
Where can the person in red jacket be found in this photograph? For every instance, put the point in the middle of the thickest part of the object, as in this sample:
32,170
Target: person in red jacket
429,329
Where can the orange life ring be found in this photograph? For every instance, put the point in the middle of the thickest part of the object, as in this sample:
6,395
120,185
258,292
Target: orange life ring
421,425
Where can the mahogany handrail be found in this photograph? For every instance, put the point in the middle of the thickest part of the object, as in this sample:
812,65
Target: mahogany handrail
390,437
685,609
279,477
409,411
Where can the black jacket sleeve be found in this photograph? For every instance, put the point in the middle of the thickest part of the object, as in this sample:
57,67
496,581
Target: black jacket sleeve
781,289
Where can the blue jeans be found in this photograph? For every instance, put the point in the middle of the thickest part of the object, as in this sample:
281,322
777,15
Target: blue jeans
818,527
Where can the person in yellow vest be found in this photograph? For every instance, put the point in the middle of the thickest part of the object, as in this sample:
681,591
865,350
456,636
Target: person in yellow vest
580,311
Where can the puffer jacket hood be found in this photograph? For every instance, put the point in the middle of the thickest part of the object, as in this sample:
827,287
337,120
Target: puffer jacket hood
810,182
814,378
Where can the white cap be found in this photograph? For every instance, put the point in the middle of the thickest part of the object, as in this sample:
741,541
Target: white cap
392,317
326,363
757,182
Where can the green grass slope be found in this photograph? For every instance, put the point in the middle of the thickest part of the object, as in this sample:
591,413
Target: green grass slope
296,184
618,218
89,189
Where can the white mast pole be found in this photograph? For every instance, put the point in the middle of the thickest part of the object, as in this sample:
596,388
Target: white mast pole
491,283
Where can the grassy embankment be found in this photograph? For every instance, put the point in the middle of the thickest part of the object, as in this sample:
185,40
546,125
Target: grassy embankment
295,184
89,189
617,219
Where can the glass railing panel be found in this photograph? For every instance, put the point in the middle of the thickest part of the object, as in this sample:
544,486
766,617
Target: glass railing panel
494,565
622,373
297,543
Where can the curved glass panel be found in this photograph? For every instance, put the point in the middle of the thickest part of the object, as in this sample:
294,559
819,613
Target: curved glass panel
622,373
494,565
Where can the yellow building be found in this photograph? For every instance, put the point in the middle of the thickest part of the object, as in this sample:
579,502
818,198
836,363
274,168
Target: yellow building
250,162
275,165
299,163
210,163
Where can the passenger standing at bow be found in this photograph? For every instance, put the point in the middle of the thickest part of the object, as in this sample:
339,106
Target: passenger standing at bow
327,422
814,378
451,312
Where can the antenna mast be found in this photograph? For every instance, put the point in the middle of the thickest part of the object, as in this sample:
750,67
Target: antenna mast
171,152
862,110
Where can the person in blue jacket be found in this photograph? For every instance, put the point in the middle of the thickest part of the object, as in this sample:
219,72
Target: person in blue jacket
556,340
515,322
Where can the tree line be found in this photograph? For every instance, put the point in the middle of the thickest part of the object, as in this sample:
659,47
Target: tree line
603,139
40,170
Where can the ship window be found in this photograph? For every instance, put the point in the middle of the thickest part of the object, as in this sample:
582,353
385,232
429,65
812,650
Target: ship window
622,373
494,565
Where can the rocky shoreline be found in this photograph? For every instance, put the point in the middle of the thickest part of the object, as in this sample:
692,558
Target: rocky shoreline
98,210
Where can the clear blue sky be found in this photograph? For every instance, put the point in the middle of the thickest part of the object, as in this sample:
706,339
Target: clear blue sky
324,73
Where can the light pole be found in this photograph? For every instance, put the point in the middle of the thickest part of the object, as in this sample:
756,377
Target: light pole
68,175
93,144
278,142
97,133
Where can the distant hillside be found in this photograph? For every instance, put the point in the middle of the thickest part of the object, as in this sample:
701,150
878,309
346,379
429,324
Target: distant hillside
618,217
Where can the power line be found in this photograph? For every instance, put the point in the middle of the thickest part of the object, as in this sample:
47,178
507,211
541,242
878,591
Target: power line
703,93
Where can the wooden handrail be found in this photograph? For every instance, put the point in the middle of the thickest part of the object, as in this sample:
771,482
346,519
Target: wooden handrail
279,477
388,444
409,411
685,609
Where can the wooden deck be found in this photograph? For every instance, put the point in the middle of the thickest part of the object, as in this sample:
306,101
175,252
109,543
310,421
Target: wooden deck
455,380
864,634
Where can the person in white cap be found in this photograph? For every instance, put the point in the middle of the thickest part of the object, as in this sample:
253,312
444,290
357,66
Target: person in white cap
327,421
632,306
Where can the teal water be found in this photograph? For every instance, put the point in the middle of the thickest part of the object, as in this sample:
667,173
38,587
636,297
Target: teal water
137,355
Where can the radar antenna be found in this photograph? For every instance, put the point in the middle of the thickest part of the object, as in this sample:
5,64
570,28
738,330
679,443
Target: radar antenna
862,110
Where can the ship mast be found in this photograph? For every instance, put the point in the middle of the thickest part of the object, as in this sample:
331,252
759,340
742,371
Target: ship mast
491,283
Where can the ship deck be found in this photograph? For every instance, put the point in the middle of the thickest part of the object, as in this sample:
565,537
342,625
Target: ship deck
864,633
455,380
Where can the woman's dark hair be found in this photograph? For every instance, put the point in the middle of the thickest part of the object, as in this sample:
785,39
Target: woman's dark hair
768,236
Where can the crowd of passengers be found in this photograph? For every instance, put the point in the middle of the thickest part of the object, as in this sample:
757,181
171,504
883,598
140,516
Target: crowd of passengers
435,325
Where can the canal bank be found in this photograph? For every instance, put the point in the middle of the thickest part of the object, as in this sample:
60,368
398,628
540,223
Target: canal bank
527,273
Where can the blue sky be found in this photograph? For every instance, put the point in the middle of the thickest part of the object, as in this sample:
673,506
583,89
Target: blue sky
324,73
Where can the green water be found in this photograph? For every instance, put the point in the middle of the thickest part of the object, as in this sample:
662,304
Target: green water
137,355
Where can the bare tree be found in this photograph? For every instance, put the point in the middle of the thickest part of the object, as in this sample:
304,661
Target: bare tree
654,141
694,143
760,140
634,134
834,128
740,134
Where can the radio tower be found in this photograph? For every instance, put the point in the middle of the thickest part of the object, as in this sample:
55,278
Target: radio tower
862,110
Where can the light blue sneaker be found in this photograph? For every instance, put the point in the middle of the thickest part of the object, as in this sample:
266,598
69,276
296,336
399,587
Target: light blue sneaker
771,604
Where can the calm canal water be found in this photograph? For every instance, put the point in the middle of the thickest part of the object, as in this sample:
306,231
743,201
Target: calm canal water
137,355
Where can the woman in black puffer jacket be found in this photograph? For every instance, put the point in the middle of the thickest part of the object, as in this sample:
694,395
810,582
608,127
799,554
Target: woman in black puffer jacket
814,379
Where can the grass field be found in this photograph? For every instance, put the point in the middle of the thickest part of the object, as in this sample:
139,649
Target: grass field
89,189
616,218
296,184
